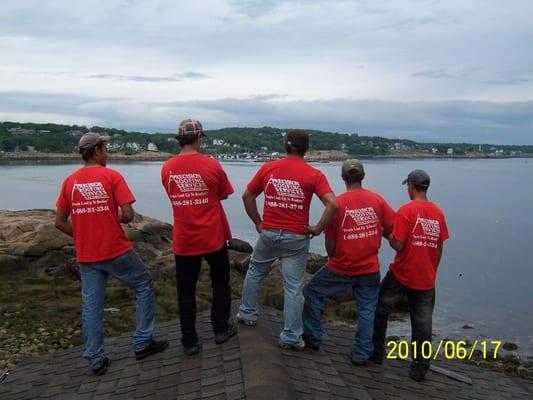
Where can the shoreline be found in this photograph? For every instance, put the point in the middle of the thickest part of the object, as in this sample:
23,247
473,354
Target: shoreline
160,156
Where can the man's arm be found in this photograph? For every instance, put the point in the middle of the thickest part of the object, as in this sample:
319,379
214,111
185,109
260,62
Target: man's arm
387,231
395,243
62,223
126,213
330,243
440,248
250,206
330,202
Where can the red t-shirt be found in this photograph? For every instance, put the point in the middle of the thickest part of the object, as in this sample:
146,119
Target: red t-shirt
194,184
422,227
289,185
92,195
357,229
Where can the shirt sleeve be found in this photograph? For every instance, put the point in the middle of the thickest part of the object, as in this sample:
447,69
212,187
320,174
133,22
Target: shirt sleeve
401,226
322,185
256,184
122,192
224,187
62,202
387,214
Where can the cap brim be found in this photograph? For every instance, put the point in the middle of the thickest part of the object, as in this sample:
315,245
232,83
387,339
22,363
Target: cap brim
405,181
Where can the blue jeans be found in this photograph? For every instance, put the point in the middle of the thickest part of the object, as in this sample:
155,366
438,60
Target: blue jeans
131,271
292,250
421,304
365,290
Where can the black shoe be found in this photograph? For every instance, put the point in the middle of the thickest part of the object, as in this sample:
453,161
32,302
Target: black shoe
356,361
376,359
309,344
155,346
103,367
191,350
417,373
223,337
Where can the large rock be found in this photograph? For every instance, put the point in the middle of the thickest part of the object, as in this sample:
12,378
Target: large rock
30,238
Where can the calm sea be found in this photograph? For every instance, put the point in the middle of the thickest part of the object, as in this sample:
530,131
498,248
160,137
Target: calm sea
486,275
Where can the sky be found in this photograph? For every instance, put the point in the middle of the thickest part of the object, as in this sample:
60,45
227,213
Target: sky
434,71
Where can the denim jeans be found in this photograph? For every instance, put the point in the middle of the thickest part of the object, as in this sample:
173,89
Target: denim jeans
421,303
132,272
326,283
292,250
187,271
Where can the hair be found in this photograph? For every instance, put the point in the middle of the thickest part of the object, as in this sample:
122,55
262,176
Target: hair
301,139
420,188
187,139
351,178
88,154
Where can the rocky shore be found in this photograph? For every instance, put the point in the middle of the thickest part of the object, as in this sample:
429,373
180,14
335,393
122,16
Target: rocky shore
39,283
39,287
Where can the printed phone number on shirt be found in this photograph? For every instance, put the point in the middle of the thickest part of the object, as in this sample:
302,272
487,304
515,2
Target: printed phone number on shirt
362,235
87,210
284,205
195,202
461,350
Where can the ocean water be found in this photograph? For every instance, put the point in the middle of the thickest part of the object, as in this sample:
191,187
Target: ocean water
486,275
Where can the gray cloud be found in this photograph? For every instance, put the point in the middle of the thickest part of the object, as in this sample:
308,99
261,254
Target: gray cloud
186,76
445,121
433,74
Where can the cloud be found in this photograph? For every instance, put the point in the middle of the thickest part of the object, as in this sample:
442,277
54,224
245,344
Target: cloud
444,121
433,74
186,76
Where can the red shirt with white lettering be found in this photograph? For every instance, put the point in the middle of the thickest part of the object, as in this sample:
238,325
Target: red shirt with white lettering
357,230
288,185
92,195
422,227
195,183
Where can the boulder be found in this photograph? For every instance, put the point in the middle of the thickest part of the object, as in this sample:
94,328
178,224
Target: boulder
240,246
315,262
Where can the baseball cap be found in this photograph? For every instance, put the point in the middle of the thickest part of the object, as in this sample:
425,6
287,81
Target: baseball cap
417,177
91,139
190,127
297,138
353,167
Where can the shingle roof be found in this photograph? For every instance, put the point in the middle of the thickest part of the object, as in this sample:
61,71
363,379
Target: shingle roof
248,366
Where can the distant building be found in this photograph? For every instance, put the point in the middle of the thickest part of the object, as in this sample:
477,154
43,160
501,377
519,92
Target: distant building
20,131
449,151
172,139
133,146
219,142
74,133
434,150
44,131
152,147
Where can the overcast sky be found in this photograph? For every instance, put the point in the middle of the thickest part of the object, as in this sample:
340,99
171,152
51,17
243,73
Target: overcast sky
424,70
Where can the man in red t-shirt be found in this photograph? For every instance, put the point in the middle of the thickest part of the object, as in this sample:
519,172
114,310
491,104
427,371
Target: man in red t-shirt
352,243
195,184
284,231
418,238
92,196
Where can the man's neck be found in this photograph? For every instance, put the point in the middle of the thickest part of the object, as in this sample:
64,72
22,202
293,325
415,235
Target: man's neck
420,196
189,149
354,187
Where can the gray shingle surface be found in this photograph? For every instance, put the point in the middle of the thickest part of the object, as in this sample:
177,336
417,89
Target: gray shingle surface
248,366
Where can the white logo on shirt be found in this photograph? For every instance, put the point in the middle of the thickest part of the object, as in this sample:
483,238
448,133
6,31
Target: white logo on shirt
286,188
90,191
431,227
188,182
361,216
